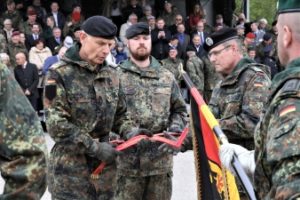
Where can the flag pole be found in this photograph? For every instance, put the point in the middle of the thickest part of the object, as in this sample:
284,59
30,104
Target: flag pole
213,123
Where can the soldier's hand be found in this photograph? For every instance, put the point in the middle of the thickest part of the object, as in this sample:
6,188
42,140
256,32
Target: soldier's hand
246,157
106,152
138,131
168,148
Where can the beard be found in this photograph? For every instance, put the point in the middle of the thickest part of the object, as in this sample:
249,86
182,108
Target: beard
140,55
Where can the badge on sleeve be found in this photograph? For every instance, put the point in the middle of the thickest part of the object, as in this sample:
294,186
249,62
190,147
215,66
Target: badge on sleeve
288,109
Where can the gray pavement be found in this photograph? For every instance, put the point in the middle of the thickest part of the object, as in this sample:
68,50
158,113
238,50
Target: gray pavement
184,183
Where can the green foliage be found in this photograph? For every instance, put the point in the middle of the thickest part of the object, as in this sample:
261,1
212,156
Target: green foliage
259,9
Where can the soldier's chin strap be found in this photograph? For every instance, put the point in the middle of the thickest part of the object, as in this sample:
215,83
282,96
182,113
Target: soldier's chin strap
159,137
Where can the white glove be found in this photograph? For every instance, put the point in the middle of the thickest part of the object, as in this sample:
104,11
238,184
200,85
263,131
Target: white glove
245,157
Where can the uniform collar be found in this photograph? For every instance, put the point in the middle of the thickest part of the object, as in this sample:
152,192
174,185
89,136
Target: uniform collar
150,72
234,75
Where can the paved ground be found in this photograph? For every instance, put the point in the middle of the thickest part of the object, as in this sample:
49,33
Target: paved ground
184,183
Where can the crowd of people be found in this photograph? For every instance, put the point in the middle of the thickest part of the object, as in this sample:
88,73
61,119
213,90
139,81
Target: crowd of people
104,81
41,33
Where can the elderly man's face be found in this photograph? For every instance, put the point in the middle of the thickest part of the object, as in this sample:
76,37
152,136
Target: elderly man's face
94,50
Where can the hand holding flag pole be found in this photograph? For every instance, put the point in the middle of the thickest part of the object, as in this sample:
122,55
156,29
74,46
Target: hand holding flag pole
214,126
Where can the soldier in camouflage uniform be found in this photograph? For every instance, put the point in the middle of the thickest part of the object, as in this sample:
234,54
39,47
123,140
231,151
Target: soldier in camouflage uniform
238,100
15,46
155,105
3,43
172,63
13,14
277,141
23,150
84,102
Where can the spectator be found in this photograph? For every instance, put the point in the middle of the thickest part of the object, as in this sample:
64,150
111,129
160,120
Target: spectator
240,31
151,22
174,44
56,40
26,75
241,19
172,63
40,11
219,22
53,59
147,12
258,33
74,20
160,38
183,38
34,35
39,53
59,18
173,27
27,25
12,14
4,58
207,28
15,46
196,45
200,31
121,55
7,30
263,25
48,30
168,14
196,16
132,19
133,7
76,36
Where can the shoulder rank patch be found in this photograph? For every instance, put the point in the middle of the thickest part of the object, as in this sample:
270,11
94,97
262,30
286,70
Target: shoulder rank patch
286,110
257,84
291,85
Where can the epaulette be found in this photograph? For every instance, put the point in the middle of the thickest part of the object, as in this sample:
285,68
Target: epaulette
255,67
57,65
292,85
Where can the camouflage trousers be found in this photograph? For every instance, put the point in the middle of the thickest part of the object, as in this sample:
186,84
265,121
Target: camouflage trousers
156,187
69,173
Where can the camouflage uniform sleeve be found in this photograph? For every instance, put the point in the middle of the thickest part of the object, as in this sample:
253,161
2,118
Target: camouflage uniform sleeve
178,110
283,149
23,150
197,76
254,98
122,122
59,124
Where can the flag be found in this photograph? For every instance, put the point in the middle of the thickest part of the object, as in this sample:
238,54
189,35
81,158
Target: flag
213,181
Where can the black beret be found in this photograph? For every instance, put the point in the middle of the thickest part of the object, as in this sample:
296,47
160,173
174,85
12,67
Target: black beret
267,36
219,37
99,26
137,29
191,48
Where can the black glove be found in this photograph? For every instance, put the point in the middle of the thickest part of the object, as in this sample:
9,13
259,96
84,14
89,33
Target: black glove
106,152
175,129
166,148
138,131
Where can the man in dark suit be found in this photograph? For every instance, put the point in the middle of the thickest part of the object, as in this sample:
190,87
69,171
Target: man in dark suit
27,76
33,37
200,31
183,38
160,38
59,17
55,41
196,45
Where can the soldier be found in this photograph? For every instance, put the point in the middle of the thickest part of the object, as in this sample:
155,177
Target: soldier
277,143
155,105
172,63
13,14
23,147
84,103
238,99
195,69
15,46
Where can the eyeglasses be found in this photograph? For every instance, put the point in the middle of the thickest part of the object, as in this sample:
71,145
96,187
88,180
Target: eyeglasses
216,53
